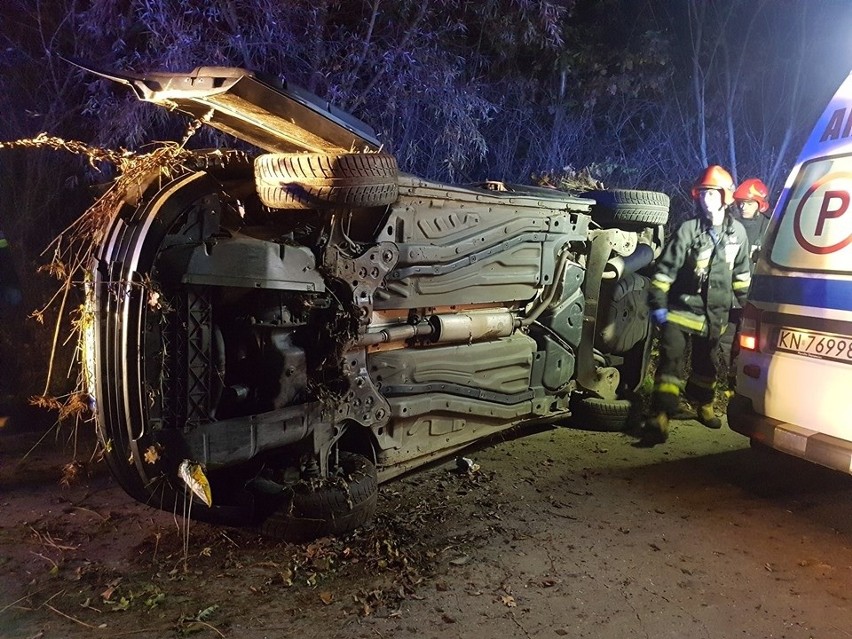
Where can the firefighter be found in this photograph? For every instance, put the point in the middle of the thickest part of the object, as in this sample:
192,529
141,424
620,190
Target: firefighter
750,198
702,268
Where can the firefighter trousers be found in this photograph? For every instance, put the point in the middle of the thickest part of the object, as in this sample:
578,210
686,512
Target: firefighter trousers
729,346
668,381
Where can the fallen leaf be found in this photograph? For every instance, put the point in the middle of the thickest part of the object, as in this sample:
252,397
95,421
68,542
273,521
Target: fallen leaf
120,605
561,632
322,564
111,586
460,561
326,597
151,455
508,601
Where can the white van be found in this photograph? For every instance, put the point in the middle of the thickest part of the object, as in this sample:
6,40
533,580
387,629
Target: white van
794,373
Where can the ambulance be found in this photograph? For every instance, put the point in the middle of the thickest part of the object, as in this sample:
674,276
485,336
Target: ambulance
794,371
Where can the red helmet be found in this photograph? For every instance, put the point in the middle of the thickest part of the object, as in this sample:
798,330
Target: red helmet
715,177
754,190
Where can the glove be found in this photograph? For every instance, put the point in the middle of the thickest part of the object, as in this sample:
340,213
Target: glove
660,316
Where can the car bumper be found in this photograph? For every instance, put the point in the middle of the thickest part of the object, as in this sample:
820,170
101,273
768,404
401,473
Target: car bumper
799,441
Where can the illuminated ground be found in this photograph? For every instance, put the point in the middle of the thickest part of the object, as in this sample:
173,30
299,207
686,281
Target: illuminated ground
561,533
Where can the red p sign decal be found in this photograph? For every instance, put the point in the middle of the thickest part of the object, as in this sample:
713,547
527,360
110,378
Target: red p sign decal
825,212
835,202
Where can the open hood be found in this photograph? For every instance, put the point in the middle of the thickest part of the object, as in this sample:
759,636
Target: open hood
276,116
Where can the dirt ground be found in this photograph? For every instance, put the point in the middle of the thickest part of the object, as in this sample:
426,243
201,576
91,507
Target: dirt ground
562,533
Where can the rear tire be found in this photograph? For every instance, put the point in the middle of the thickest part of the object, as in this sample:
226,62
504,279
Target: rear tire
629,208
602,415
317,180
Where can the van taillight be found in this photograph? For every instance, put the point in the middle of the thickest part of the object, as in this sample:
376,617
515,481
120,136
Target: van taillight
750,328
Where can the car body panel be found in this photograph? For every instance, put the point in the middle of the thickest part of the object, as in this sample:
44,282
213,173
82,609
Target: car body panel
271,114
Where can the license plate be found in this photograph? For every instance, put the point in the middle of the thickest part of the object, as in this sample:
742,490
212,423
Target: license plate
815,344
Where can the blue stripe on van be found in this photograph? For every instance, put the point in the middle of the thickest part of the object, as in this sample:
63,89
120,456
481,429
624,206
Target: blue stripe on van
803,291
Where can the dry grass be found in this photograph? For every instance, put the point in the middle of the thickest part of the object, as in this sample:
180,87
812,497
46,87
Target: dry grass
570,179
71,253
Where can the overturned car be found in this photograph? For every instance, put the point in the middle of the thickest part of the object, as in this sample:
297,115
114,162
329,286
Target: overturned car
281,333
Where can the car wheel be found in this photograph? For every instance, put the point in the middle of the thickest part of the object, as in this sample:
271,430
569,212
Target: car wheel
604,415
313,180
628,207
626,320
331,507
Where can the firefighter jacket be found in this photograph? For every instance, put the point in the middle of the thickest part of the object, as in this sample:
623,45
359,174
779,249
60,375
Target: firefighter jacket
754,227
699,273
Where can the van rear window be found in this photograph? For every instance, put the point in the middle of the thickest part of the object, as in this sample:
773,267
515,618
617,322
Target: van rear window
815,229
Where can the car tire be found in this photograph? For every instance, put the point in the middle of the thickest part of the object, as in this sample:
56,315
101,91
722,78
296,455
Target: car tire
626,316
602,415
630,208
317,180
334,507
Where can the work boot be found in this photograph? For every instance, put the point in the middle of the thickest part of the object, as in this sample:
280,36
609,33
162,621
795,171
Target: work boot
707,416
655,430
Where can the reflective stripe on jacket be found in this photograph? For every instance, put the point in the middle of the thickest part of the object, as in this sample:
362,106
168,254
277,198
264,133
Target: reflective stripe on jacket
699,274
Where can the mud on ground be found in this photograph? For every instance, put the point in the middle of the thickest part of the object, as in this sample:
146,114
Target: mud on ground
560,533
